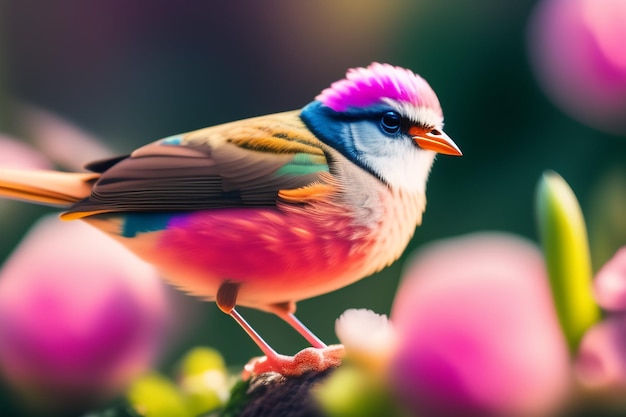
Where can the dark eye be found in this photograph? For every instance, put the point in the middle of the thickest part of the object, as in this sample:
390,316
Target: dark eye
390,122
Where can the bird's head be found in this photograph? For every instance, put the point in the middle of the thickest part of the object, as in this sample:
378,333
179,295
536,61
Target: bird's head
385,119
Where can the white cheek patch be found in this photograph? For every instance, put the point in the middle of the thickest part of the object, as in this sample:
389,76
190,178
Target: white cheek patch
402,165
397,160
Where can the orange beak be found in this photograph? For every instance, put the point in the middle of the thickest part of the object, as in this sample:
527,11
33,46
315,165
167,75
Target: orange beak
434,140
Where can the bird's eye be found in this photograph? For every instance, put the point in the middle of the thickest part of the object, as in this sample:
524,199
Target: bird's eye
390,122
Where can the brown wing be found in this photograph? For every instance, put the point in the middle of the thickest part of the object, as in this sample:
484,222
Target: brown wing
239,164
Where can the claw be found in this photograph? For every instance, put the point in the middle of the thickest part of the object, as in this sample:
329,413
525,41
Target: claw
309,359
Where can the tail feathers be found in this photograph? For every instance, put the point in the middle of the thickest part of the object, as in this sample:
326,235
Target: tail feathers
46,187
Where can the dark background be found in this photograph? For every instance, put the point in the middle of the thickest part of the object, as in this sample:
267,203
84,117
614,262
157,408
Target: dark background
133,72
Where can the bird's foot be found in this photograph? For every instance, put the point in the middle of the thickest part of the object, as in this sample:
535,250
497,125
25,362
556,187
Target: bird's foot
309,359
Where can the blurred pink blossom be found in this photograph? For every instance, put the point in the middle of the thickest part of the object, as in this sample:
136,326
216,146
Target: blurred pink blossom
60,140
610,283
17,154
79,315
477,332
601,359
578,51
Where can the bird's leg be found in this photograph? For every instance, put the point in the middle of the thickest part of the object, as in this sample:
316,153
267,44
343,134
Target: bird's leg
226,299
286,312
317,359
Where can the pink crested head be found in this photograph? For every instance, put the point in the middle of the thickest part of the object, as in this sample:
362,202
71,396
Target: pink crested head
364,87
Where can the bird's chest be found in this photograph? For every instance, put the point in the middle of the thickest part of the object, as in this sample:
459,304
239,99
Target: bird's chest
277,254
289,254
268,250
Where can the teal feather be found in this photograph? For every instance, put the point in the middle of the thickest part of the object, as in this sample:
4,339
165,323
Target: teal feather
173,140
304,164
135,223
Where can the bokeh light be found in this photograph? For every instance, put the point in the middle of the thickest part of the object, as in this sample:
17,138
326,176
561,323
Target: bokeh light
577,48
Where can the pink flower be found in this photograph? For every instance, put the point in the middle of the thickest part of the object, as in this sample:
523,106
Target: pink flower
17,154
477,333
601,360
54,135
577,48
79,315
610,283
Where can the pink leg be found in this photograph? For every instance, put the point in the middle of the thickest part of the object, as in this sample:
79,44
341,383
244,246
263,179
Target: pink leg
317,358
262,344
285,312
226,299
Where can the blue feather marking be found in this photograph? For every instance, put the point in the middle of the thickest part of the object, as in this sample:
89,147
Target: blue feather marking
135,223
172,140
342,130
331,127
303,164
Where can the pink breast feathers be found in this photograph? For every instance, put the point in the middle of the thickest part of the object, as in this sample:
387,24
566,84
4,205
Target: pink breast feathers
277,257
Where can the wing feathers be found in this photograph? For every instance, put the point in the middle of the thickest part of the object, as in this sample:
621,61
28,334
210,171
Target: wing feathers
102,165
240,164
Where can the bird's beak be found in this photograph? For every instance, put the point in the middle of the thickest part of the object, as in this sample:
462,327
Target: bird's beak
434,140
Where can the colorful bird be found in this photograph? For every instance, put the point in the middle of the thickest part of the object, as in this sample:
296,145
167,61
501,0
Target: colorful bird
271,210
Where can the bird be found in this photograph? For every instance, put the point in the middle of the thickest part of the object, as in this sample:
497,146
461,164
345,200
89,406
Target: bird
268,211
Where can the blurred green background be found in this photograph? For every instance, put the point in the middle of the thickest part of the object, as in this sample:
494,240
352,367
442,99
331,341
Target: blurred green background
133,72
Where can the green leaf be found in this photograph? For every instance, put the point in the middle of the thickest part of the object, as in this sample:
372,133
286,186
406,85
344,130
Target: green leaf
238,399
204,381
200,360
352,391
153,395
566,250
